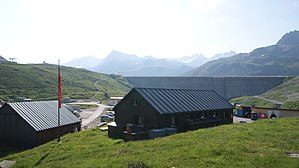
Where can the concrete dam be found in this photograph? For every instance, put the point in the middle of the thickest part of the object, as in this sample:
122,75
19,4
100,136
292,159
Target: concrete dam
228,87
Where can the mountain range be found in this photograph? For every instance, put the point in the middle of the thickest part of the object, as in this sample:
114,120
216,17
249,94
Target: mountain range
84,62
132,65
2,59
279,59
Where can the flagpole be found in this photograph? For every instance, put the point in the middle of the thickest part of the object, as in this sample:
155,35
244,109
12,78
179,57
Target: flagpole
59,97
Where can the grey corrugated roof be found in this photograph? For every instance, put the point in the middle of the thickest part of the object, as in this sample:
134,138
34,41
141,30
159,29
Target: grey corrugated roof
42,115
183,100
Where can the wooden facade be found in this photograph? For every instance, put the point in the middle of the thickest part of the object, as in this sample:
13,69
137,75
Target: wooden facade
14,131
136,109
17,131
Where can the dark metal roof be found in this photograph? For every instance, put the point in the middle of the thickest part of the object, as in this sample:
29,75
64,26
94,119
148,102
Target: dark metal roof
183,100
42,115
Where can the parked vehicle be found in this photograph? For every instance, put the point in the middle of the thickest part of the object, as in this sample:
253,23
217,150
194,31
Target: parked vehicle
110,113
77,114
254,116
106,118
243,111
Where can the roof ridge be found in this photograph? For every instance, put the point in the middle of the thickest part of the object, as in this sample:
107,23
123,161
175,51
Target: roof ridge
33,101
173,89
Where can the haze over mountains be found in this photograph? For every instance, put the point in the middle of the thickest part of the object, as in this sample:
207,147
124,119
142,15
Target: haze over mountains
84,62
279,59
132,65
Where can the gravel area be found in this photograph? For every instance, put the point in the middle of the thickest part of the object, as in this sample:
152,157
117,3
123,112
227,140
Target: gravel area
91,117
242,120
85,114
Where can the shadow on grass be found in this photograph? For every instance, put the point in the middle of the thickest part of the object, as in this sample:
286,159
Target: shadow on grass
9,151
41,159
44,156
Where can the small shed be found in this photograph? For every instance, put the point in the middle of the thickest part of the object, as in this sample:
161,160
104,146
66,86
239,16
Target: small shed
29,124
114,100
183,109
274,112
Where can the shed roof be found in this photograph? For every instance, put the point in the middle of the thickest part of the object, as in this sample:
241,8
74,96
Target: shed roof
42,115
183,100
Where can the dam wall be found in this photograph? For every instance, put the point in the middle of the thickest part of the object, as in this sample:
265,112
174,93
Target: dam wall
228,87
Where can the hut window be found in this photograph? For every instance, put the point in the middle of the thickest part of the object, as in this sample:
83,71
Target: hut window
140,120
202,116
198,116
173,120
215,114
135,102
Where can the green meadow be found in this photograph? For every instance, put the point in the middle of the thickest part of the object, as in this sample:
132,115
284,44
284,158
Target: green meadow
265,143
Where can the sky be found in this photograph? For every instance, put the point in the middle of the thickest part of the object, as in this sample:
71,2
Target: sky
33,31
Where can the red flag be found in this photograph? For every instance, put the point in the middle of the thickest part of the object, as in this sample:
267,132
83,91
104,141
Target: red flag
59,88
263,115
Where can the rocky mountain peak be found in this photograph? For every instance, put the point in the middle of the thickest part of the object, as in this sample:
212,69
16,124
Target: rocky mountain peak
291,38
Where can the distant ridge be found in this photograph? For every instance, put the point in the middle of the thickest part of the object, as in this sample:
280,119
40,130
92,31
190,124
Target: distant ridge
132,65
281,59
84,62
2,59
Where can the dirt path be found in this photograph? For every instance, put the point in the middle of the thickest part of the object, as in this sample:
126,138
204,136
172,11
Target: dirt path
274,101
96,86
94,115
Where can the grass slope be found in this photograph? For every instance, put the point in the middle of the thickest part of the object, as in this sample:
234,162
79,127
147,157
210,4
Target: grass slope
253,101
287,93
261,144
39,82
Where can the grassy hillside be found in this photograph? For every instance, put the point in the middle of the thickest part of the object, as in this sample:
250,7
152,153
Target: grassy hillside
253,101
39,82
286,93
265,143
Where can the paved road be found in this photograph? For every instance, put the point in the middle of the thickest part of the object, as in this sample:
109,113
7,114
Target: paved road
95,115
85,103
